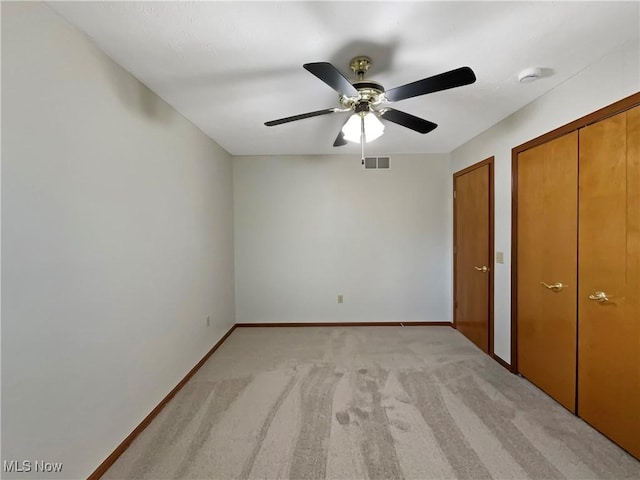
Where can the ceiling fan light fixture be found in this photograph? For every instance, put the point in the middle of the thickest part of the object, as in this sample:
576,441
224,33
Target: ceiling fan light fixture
373,127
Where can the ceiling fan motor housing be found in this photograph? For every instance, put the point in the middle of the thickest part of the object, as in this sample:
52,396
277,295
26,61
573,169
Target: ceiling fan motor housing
369,93
361,106
366,86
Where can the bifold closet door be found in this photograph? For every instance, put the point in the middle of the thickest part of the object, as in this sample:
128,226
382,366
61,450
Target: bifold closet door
547,271
609,278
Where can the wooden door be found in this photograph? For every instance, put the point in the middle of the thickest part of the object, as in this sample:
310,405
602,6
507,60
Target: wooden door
473,247
609,259
547,262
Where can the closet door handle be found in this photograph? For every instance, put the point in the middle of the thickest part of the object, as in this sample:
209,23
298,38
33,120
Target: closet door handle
599,297
482,269
556,287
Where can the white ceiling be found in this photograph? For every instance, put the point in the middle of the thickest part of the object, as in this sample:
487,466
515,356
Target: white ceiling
231,66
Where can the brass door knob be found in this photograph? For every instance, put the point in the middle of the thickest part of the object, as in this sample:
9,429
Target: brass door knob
482,269
599,297
556,287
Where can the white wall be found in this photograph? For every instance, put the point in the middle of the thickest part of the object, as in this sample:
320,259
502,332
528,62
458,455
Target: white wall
117,242
308,228
612,78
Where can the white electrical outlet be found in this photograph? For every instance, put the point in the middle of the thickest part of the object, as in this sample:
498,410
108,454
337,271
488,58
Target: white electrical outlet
340,299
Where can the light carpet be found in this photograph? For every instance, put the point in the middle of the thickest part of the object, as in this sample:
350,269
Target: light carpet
365,402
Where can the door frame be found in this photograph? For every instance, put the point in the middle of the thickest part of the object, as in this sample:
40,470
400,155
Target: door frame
605,112
490,162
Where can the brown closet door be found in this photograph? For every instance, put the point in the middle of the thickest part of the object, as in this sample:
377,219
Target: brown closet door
547,243
609,256
473,254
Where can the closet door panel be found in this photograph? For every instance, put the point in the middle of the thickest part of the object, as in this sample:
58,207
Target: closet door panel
609,287
547,242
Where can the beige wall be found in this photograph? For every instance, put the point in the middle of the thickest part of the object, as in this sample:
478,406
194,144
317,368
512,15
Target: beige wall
309,228
117,243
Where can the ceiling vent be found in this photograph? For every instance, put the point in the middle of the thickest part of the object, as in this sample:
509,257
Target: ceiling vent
376,162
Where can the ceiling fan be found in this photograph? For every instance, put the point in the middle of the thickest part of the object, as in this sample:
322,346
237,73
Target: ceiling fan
368,100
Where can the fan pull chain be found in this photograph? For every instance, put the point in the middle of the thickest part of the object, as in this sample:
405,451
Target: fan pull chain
362,138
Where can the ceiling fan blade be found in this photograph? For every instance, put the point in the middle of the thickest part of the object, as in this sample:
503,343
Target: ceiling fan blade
340,140
407,120
454,78
332,77
299,117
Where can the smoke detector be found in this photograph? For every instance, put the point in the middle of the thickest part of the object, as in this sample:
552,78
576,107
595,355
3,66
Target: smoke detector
530,74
